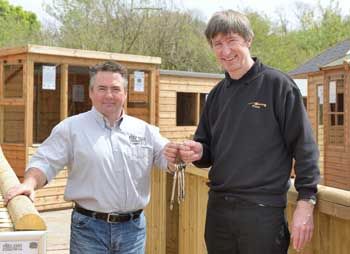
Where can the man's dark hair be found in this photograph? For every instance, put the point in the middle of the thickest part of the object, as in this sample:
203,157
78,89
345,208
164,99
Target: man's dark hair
109,66
226,22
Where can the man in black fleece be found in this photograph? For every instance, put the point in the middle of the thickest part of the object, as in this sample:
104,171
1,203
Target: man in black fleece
253,125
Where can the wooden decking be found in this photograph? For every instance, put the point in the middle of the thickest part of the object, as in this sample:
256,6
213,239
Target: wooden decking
58,231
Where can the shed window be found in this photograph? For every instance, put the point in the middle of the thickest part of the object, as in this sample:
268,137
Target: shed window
13,81
320,104
189,108
336,112
186,109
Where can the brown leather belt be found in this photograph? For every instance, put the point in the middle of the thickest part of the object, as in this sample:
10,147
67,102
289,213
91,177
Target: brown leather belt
109,217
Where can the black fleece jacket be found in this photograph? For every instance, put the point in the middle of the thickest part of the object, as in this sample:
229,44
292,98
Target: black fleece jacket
251,129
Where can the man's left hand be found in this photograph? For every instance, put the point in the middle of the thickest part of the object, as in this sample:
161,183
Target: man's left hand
302,224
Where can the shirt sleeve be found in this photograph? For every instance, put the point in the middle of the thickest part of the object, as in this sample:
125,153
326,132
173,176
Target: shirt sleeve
159,143
203,136
53,154
299,139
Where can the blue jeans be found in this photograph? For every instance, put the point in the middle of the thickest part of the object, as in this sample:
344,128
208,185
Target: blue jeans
94,236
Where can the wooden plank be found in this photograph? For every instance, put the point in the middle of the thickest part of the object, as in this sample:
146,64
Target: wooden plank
163,94
13,102
57,206
28,86
13,50
1,81
152,96
64,92
86,62
2,124
198,105
89,54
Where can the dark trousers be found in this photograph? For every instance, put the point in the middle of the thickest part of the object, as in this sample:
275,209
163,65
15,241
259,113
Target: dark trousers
235,226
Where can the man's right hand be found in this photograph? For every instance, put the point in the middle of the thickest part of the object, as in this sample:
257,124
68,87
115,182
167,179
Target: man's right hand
34,179
191,151
20,189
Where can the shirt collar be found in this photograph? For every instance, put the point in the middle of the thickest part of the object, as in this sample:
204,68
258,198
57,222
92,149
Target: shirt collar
103,121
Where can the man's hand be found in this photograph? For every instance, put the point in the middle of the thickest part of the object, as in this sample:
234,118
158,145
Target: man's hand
302,224
191,151
171,152
34,179
20,189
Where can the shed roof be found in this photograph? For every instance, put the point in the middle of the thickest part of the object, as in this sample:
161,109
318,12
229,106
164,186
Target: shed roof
192,74
79,53
328,56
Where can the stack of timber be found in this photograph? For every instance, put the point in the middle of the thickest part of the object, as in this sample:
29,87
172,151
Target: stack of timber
5,220
20,209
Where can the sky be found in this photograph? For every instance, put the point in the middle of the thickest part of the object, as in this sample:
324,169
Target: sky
207,7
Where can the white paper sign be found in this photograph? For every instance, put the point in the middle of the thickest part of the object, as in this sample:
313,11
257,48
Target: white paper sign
19,247
49,77
332,92
139,81
78,93
320,94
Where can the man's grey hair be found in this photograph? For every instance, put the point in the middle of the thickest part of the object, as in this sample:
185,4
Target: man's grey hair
109,66
228,21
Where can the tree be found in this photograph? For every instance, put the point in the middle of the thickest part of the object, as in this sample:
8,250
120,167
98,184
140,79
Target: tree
145,27
16,25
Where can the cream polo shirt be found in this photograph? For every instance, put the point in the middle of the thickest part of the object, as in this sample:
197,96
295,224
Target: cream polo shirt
109,168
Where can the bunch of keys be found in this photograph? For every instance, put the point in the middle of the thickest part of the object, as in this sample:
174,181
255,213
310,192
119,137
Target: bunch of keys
179,177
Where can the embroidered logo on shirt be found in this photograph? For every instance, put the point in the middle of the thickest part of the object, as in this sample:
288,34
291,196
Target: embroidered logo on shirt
135,140
256,104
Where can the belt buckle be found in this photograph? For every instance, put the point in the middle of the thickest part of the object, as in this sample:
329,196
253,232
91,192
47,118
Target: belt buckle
109,216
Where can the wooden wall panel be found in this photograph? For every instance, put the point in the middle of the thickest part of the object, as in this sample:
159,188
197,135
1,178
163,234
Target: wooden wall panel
184,224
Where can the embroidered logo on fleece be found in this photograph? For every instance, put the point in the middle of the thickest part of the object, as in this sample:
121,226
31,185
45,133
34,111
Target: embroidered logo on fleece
256,104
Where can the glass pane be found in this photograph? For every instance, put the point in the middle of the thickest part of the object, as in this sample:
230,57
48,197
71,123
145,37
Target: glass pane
332,107
332,120
13,81
46,107
340,102
320,114
320,104
340,120
78,90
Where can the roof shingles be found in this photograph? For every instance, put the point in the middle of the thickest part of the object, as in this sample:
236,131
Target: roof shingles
326,57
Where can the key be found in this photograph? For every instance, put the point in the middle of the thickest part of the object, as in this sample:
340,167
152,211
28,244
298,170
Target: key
173,191
179,180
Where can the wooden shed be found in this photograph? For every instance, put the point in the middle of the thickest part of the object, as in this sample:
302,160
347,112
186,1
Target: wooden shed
40,86
328,105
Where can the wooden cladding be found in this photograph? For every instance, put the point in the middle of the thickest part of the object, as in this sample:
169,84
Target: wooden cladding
12,124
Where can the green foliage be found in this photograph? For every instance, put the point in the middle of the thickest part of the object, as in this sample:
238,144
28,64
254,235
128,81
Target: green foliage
135,28
159,28
17,26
